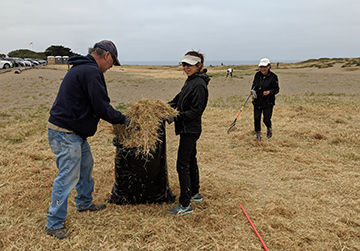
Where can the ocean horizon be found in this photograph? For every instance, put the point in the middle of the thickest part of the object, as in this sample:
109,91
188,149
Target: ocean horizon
207,62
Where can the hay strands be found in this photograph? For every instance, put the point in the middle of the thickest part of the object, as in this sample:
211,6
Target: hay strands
256,232
145,117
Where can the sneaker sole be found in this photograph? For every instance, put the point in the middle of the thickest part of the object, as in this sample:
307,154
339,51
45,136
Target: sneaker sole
185,213
93,209
55,233
197,200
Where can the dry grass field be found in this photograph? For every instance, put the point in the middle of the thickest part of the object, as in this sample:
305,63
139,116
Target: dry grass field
300,188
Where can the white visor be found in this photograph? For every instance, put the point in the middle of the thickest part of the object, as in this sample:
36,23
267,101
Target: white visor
191,60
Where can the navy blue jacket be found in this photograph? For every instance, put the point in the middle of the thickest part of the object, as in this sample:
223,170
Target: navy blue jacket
191,103
261,83
83,99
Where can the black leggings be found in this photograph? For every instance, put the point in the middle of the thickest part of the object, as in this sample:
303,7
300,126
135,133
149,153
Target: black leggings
187,167
267,112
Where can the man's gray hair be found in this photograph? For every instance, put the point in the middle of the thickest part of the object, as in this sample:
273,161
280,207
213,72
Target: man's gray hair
100,52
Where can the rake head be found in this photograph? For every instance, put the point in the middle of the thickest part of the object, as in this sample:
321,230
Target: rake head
232,127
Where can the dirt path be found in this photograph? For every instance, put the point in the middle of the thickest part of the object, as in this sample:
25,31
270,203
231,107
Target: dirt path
38,87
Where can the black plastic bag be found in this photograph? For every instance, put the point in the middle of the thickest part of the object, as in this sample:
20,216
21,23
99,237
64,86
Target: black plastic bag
141,179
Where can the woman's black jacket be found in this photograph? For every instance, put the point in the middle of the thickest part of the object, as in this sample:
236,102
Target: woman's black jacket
261,83
191,102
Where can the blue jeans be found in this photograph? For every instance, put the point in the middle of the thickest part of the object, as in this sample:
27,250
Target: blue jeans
75,163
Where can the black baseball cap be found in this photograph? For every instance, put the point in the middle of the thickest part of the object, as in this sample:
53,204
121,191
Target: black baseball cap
110,47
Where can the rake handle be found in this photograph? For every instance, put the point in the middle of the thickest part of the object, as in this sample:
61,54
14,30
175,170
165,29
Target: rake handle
239,112
256,232
243,106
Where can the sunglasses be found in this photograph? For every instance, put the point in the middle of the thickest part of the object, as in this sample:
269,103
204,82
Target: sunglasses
113,58
185,64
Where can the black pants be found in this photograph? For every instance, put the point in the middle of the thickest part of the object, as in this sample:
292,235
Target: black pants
267,113
187,167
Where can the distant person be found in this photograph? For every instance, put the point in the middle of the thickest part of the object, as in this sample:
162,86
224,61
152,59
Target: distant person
81,102
229,72
191,102
266,86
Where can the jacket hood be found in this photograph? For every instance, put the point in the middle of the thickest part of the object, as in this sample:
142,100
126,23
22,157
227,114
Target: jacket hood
77,60
202,75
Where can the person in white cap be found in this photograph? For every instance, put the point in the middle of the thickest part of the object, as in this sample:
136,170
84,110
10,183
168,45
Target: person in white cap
191,103
266,86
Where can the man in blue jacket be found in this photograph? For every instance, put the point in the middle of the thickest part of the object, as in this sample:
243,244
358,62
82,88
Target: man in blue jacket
81,102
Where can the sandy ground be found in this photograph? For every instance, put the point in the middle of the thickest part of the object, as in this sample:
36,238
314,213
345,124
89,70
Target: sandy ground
37,87
300,188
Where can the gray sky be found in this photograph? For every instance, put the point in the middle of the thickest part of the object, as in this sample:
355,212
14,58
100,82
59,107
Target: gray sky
164,30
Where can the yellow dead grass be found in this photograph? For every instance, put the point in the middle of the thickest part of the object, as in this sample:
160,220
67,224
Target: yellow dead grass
300,188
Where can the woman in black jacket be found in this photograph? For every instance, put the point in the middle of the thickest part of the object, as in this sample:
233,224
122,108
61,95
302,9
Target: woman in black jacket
191,103
266,86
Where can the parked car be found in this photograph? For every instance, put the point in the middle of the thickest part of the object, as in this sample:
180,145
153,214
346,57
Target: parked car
27,63
21,62
4,64
13,61
41,61
32,61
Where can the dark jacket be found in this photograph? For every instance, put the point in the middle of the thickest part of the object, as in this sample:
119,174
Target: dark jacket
263,83
191,103
83,99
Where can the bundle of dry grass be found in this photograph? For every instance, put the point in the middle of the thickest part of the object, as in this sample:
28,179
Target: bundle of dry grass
146,116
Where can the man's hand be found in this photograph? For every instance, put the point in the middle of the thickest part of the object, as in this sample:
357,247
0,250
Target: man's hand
265,93
169,119
134,125
127,121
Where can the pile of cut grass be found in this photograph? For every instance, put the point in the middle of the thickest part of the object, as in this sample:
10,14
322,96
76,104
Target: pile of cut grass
146,115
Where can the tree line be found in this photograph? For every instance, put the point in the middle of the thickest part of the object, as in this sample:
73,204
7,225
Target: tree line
53,50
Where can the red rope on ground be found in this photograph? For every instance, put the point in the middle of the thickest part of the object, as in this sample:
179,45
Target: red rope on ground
256,232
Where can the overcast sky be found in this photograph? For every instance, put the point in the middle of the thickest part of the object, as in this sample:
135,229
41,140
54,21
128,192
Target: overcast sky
164,30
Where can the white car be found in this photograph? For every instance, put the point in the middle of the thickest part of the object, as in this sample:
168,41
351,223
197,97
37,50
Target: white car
4,64
27,63
32,61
